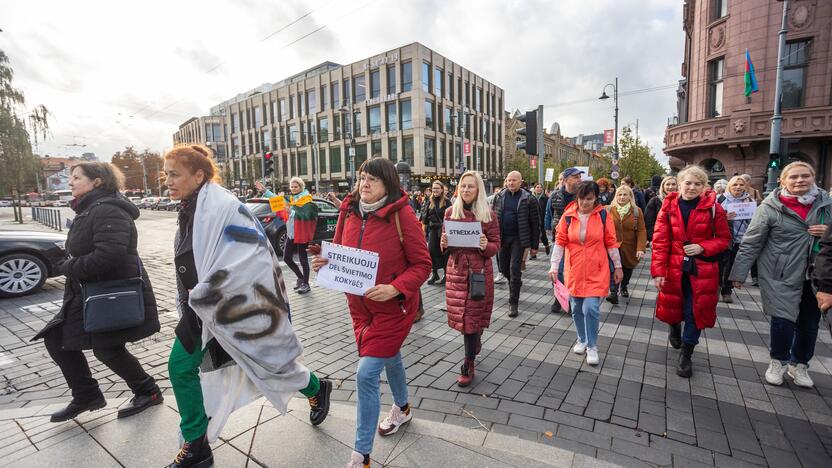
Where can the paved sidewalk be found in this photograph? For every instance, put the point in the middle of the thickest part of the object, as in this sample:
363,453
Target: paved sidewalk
631,410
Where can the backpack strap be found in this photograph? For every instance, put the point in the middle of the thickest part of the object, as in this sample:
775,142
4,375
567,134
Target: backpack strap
399,228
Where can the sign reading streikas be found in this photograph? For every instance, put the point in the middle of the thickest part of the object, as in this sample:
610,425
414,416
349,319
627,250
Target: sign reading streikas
349,270
463,233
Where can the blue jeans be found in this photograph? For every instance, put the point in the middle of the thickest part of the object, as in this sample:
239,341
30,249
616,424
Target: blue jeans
369,396
794,342
586,313
690,334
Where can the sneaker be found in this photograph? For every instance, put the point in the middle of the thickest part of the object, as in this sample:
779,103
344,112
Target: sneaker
394,420
592,356
499,279
726,298
774,373
297,284
304,288
800,374
357,461
579,347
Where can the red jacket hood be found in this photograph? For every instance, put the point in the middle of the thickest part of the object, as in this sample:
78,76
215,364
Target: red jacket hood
382,212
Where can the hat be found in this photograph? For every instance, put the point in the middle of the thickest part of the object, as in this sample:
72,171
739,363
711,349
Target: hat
571,172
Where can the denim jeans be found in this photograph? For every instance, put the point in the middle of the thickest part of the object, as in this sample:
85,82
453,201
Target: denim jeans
690,334
795,341
369,395
586,312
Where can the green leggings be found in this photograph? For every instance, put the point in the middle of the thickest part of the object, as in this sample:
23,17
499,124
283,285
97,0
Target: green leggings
183,371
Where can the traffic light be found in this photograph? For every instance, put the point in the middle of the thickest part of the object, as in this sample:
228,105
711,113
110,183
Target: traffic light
774,161
529,132
268,162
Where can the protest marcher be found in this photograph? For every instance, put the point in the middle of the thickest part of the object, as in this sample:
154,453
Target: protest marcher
755,194
736,193
784,239
691,232
558,201
822,278
585,245
668,185
469,304
102,246
631,236
432,216
720,186
517,213
653,190
542,201
225,270
637,193
374,218
607,192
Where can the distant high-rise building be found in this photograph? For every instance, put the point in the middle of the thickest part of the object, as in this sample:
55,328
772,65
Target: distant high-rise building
89,157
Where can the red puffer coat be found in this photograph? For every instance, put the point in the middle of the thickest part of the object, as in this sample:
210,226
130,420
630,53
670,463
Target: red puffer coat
381,327
465,315
708,227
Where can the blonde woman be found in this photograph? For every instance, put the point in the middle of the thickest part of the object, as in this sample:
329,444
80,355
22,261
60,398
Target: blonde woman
737,193
468,312
631,235
668,185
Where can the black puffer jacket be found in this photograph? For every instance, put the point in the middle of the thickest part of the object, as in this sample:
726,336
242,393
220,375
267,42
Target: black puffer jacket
102,246
527,217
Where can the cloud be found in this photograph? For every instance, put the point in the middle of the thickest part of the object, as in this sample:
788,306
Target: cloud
98,64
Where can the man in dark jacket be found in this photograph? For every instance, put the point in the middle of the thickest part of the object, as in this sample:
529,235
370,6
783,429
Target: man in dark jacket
822,278
519,229
542,201
653,190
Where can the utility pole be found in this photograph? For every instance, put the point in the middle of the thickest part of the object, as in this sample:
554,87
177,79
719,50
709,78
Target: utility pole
541,145
777,118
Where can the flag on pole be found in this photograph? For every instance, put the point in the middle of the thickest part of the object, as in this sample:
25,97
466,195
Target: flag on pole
750,77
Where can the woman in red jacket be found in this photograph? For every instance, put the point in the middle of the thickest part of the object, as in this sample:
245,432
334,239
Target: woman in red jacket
377,217
466,314
691,231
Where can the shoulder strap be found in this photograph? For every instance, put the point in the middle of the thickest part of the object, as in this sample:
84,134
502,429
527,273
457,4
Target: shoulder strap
399,228
339,229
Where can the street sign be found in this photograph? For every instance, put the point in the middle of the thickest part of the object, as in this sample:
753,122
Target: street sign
533,163
352,151
615,168
466,148
550,174
615,161
614,175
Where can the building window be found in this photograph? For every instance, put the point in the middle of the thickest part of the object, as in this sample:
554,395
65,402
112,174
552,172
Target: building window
360,92
443,161
346,84
393,150
429,115
285,166
430,158
375,84
356,124
303,167
335,159
360,155
233,123
282,106
716,73
266,140
795,67
375,120
333,91
311,102
407,151
293,134
407,119
323,130
438,75
392,119
720,9
459,89
426,77
235,146
376,148
291,106
391,79
407,77
301,106
336,126
449,87
446,117
258,117
479,100
323,98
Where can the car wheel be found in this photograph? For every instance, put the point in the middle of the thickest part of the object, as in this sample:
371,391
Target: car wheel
279,242
21,274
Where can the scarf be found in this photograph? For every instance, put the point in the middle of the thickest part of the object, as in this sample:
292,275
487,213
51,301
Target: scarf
623,209
366,208
732,199
805,200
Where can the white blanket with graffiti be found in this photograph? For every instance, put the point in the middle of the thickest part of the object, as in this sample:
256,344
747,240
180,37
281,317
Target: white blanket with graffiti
241,300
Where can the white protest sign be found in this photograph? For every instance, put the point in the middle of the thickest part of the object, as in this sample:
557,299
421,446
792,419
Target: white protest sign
585,170
349,270
463,233
550,174
743,210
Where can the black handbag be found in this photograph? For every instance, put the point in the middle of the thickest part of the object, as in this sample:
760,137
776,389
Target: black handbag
114,304
476,285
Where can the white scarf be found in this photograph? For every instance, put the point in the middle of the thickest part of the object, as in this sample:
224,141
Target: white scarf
805,200
370,207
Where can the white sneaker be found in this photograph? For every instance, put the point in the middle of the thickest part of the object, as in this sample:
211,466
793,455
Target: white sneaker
394,420
579,347
800,374
592,356
499,279
775,371
356,461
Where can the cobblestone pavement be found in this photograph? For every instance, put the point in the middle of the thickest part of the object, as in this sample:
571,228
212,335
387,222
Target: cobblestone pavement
632,409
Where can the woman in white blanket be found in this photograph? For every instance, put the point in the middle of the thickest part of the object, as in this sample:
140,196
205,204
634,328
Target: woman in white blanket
238,332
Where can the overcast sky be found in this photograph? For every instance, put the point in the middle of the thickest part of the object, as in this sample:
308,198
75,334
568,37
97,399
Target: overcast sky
128,73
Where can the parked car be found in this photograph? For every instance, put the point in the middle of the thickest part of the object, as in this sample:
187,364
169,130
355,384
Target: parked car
135,200
146,202
59,203
6,203
27,259
161,203
174,205
276,227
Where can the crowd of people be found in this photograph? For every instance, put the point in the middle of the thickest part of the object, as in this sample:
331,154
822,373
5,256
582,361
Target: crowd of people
235,312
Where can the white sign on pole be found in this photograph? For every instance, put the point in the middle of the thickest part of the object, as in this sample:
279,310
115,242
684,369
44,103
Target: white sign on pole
463,233
743,210
550,174
348,270
585,175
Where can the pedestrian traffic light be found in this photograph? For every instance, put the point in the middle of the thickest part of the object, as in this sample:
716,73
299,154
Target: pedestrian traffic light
774,161
268,163
529,132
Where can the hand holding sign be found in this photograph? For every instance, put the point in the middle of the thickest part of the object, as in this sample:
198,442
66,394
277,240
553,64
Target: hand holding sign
348,270
277,204
743,210
463,233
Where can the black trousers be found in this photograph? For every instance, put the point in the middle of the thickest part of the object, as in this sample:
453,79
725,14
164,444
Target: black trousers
288,257
511,255
543,237
625,282
726,263
76,369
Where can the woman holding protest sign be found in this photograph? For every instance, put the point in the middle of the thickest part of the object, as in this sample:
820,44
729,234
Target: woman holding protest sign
734,197
588,241
470,276
376,217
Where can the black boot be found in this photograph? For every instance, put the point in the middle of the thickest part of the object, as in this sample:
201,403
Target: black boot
434,278
196,454
512,310
319,404
556,308
444,278
684,369
613,297
140,403
624,292
675,336
74,408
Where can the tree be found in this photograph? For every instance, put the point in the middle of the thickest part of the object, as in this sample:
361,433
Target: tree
636,160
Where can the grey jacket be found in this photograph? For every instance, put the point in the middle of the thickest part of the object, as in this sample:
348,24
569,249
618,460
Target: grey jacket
780,243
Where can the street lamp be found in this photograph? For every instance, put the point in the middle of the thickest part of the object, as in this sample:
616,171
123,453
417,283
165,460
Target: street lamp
346,113
615,98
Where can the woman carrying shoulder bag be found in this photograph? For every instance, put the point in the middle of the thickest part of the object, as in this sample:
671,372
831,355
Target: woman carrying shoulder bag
632,236
102,248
